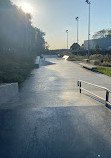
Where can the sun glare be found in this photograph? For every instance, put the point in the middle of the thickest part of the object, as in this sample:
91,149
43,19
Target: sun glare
26,8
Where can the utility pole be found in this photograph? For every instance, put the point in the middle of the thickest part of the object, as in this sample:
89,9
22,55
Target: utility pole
67,38
77,18
89,3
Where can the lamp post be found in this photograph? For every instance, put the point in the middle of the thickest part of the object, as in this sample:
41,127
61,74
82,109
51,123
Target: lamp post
77,18
89,3
67,38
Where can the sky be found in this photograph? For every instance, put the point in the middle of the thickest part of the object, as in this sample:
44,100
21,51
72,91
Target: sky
54,17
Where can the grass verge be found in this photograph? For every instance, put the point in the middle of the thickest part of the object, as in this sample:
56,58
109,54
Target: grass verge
104,70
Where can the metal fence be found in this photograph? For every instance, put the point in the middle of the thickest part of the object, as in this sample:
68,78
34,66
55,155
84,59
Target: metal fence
106,100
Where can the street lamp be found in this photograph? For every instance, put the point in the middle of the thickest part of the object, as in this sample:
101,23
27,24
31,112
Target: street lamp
77,18
67,38
89,3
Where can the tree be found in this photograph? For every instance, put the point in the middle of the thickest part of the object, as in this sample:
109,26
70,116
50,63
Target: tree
100,34
40,41
109,33
16,30
75,46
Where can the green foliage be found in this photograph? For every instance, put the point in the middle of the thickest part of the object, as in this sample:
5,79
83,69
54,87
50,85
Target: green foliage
107,58
109,33
102,34
75,57
106,64
20,43
75,46
106,71
16,30
96,57
104,60
82,47
15,68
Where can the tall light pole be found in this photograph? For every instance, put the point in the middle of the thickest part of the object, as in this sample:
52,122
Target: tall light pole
67,38
89,3
77,18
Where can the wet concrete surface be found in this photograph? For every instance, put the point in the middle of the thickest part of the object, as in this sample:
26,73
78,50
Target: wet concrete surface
51,119
80,132
54,84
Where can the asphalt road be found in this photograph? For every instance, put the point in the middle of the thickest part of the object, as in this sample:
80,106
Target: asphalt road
50,119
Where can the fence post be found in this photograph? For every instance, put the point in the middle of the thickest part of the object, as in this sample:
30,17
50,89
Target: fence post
107,98
78,83
80,86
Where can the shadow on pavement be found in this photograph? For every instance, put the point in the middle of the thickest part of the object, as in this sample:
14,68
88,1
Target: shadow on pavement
97,99
46,63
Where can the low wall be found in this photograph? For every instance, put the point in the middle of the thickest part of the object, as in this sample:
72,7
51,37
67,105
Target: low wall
37,62
8,91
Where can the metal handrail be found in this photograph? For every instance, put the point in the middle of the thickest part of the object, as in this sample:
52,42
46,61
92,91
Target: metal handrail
104,88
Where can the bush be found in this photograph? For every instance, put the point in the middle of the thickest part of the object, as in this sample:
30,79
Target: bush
73,57
14,68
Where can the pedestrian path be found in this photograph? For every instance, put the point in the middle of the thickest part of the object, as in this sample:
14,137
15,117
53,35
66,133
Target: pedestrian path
51,119
54,84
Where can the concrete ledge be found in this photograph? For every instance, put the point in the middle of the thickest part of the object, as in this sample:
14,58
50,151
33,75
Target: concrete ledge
37,62
88,66
8,91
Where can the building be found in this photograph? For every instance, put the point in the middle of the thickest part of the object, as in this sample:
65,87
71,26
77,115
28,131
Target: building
103,43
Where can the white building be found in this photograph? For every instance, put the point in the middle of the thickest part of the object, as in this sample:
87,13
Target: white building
103,43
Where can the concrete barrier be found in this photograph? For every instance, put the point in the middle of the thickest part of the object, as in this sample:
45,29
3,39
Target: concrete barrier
37,62
8,91
88,66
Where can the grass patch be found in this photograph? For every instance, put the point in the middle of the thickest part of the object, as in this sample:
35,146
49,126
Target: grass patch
104,70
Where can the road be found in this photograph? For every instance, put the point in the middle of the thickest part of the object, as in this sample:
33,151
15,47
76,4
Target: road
51,119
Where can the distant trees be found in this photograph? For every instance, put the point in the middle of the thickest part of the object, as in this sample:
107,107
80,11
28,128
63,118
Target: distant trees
40,41
102,34
75,46
16,30
109,33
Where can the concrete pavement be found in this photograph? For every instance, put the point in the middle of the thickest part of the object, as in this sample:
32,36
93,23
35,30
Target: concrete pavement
58,132
54,84
51,119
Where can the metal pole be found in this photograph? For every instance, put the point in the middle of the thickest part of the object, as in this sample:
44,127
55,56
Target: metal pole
107,98
77,31
80,86
78,83
77,18
67,38
89,33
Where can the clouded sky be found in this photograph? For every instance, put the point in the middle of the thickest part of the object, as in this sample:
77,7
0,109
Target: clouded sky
54,17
